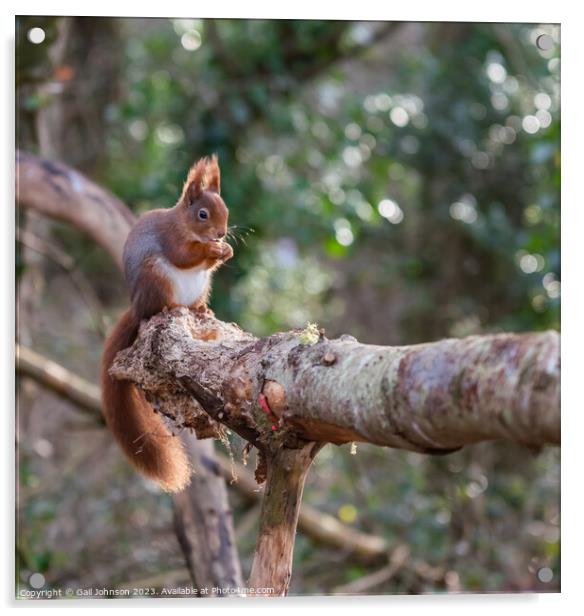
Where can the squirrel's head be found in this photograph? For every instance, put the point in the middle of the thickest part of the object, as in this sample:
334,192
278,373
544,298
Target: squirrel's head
204,211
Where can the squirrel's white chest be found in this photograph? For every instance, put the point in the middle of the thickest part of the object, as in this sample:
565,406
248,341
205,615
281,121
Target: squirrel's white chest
189,284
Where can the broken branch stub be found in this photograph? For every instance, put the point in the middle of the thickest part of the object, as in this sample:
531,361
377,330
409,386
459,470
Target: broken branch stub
280,391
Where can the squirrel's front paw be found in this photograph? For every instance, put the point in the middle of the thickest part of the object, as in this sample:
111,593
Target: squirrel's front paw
215,250
227,252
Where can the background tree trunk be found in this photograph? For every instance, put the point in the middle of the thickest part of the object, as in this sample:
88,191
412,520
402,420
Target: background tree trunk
204,525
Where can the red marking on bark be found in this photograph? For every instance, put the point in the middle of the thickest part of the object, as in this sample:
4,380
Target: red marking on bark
263,402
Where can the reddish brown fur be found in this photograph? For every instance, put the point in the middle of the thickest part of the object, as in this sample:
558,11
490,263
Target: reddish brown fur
139,430
203,174
183,251
214,175
194,183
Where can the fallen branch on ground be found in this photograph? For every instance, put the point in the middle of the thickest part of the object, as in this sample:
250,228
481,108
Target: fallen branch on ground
321,527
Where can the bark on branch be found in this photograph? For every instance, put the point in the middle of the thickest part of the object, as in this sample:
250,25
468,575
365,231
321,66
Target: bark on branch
430,398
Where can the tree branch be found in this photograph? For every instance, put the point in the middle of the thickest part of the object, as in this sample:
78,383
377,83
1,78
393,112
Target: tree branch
286,472
319,526
429,398
53,376
398,560
58,191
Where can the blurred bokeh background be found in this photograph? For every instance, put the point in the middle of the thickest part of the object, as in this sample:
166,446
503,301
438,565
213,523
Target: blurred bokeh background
396,181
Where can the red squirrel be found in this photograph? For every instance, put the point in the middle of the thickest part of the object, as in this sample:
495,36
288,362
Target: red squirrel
169,257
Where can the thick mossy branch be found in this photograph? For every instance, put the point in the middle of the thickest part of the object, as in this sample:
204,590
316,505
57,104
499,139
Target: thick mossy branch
277,391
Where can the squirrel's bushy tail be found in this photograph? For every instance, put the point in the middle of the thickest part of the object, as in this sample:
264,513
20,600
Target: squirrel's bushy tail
140,431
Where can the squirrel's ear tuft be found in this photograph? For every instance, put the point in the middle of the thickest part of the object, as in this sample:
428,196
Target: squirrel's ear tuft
214,175
194,185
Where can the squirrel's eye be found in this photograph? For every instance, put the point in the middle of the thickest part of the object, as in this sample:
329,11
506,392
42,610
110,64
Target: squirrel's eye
203,214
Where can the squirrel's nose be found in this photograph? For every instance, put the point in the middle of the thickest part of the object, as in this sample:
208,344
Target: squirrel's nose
220,236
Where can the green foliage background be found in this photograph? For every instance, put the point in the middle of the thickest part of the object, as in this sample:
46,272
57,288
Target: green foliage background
396,181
